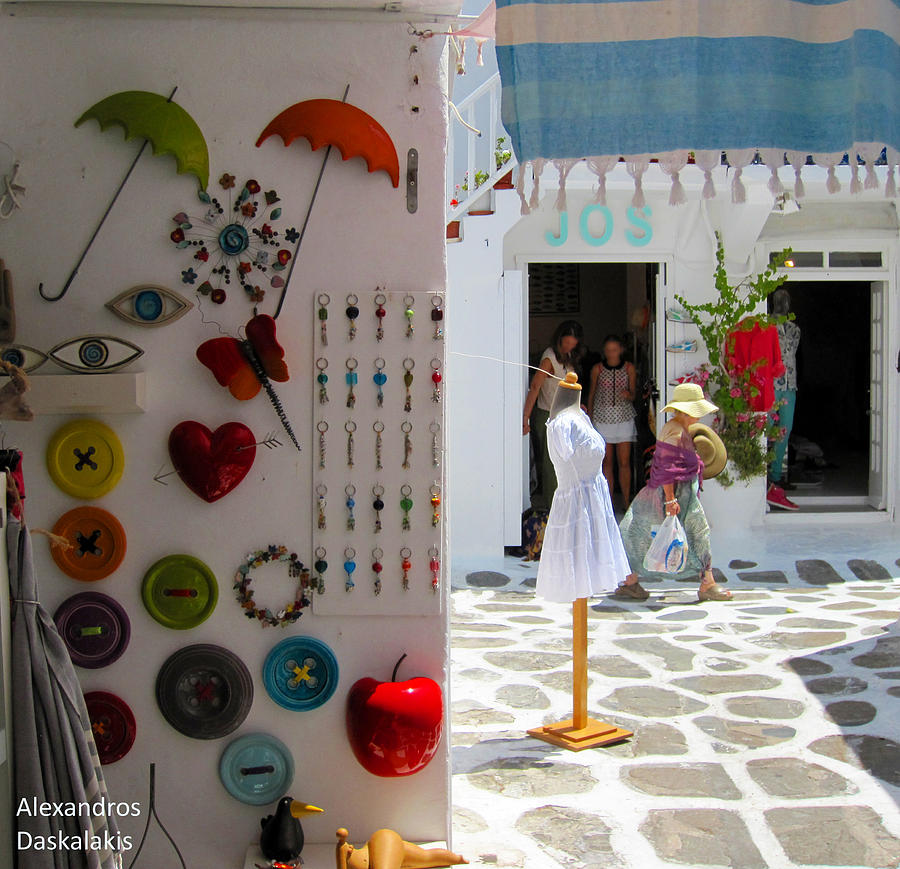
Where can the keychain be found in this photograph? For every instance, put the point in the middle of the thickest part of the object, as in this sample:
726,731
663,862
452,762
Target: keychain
435,429
377,505
322,427
435,503
352,379
349,427
322,379
408,365
352,313
437,316
406,428
380,378
377,567
405,565
324,299
405,505
408,312
321,566
349,567
435,567
436,379
380,313
321,492
350,491
378,428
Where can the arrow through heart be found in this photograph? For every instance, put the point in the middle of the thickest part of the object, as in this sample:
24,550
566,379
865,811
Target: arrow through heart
212,463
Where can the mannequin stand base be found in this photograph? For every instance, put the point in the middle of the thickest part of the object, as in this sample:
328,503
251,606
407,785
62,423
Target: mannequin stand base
593,734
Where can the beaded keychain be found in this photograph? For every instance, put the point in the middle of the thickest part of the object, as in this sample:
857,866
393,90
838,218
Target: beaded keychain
380,313
405,505
435,491
352,313
406,428
408,312
437,316
405,565
322,379
379,378
324,299
435,567
435,429
377,567
350,491
349,427
378,428
322,427
349,567
321,566
408,365
321,492
352,379
436,379
377,505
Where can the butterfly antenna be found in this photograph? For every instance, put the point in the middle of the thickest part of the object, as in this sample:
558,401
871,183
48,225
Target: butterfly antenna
263,378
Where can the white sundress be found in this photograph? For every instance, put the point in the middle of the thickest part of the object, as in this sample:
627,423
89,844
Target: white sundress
582,553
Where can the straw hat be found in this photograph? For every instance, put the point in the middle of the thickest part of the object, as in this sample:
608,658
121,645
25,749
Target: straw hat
710,448
688,398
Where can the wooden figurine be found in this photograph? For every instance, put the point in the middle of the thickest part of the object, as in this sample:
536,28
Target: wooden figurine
386,850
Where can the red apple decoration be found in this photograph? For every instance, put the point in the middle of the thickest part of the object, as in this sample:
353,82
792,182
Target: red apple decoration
395,727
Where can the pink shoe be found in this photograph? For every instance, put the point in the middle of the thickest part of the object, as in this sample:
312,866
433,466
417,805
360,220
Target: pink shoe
775,497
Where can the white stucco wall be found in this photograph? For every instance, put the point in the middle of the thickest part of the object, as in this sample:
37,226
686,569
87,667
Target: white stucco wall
235,71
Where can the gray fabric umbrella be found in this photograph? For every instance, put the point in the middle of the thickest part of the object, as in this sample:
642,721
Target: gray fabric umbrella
55,758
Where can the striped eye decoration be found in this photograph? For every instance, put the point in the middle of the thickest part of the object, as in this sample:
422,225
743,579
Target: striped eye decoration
26,358
93,354
149,305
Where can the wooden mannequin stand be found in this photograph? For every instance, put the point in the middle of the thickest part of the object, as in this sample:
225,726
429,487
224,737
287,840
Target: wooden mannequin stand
580,731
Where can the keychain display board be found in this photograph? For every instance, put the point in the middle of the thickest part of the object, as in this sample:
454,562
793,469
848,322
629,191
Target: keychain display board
382,444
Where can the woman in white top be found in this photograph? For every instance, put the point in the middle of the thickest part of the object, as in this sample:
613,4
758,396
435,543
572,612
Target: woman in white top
562,356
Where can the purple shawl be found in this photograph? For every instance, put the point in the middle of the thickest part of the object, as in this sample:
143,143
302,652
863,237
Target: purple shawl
673,464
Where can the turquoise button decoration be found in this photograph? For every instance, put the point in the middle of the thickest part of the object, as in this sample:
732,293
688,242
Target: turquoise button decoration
300,673
256,769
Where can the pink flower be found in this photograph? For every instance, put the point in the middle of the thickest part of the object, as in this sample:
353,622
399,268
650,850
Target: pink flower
775,417
735,392
782,432
742,417
760,422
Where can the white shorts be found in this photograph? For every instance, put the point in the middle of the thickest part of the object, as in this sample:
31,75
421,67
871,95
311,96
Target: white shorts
618,433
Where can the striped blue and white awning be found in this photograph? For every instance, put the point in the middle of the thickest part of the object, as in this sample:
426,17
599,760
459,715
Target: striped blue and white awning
673,80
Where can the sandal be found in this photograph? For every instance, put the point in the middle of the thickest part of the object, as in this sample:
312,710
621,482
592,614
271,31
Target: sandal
714,592
632,591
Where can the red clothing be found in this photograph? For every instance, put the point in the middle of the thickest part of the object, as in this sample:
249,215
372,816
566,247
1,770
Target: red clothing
757,348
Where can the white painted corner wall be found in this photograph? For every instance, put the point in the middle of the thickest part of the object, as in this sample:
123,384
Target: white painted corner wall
234,73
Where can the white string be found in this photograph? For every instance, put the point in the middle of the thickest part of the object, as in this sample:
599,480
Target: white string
506,362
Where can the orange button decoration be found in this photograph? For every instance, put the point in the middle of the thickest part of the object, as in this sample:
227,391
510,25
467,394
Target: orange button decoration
97,543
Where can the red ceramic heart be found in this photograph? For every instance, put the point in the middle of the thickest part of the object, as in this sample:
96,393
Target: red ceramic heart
211,463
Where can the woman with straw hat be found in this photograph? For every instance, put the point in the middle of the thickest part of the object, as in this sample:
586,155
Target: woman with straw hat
675,477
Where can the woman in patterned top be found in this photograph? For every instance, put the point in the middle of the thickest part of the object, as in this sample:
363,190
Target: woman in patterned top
610,401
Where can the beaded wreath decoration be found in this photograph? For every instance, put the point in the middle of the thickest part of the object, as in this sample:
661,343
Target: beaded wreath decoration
244,593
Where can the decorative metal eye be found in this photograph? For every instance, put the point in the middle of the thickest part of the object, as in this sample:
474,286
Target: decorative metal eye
149,305
94,354
26,358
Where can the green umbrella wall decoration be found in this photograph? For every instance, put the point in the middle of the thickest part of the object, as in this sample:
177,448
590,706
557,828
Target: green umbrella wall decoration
165,125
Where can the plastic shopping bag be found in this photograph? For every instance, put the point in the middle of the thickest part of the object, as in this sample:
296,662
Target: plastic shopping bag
668,549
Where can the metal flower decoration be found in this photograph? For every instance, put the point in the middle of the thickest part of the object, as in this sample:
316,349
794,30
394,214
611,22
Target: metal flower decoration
234,242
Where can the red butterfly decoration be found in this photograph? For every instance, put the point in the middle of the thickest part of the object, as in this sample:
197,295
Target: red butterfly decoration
247,366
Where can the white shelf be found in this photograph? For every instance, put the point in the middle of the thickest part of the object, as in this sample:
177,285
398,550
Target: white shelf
119,392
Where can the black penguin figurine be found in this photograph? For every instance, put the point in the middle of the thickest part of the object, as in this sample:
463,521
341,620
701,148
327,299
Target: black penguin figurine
281,838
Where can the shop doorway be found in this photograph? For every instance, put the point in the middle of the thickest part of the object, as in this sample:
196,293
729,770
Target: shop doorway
831,464
605,298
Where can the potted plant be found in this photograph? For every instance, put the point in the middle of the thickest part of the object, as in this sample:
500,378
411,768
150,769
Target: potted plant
745,432
502,156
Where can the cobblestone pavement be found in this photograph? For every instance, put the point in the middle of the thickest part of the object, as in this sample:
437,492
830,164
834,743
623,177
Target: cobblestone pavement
767,729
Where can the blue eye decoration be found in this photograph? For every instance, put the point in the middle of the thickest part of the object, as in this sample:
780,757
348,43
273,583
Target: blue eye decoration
26,358
92,354
149,305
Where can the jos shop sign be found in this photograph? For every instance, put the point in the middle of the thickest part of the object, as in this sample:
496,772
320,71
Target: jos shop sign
597,225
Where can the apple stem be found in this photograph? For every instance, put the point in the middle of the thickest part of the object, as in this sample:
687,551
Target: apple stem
397,667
